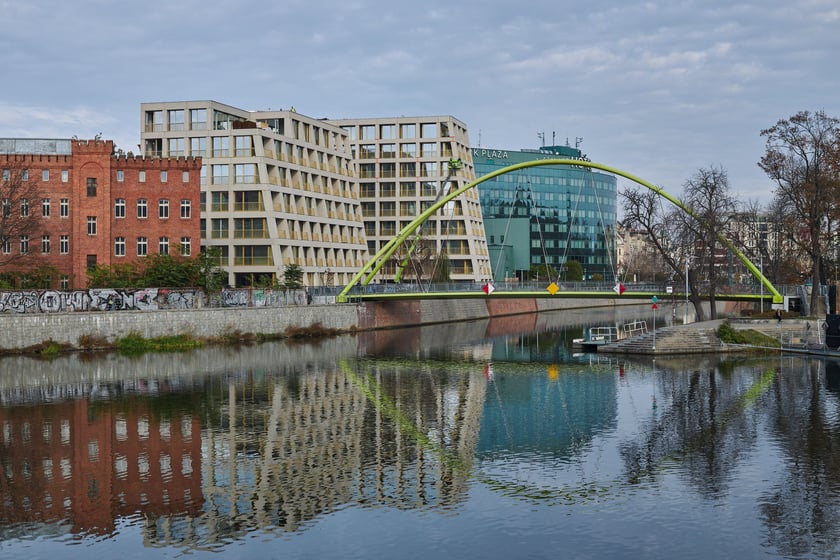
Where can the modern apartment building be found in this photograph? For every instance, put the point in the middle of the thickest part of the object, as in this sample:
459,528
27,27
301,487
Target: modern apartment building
277,188
404,168
74,204
547,215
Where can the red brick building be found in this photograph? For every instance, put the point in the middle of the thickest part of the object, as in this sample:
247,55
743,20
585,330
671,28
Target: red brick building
95,206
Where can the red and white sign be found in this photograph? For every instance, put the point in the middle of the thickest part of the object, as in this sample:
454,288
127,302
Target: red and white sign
619,288
488,288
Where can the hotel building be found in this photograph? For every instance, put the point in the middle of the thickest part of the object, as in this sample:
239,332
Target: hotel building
547,214
404,168
277,188
81,204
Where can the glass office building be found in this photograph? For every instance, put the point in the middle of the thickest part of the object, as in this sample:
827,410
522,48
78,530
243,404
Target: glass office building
547,214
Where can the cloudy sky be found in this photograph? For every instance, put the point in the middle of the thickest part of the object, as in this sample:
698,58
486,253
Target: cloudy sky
656,88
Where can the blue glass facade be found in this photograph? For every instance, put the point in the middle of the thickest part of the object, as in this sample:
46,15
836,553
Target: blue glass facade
547,214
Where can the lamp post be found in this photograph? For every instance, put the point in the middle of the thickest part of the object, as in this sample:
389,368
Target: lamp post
761,280
685,316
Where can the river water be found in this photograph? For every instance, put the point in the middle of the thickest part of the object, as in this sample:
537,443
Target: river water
488,439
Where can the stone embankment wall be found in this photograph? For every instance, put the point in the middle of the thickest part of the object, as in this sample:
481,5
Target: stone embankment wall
20,331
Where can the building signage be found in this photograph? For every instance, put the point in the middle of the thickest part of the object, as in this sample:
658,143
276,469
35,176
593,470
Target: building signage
492,154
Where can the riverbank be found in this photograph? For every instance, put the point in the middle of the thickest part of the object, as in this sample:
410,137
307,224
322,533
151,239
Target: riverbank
102,329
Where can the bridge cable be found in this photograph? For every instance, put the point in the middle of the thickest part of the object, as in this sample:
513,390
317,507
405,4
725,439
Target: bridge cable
507,229
603,224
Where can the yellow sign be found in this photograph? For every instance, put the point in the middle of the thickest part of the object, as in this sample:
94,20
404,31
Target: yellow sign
553,288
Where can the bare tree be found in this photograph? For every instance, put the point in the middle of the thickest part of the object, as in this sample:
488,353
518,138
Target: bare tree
801,158
19,210
708,196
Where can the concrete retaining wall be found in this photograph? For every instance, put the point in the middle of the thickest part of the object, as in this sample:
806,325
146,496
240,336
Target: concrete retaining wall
21,331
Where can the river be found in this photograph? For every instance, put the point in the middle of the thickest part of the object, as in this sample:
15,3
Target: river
488,439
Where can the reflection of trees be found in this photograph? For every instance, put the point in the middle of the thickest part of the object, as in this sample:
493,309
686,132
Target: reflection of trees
705,428
802,513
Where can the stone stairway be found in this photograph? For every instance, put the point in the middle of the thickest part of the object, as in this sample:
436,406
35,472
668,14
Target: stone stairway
669,340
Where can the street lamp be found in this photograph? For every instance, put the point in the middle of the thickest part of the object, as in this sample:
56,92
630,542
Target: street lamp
685,316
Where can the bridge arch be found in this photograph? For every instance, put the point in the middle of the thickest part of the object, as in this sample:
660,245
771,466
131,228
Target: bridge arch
370,269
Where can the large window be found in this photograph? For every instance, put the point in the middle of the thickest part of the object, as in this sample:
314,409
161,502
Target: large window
408,131
428,130
176,147
91,186
221,174
186,246
247,201
219,228
221,146
245,173
176,119
64,207
243,146
91,225
387,131
119,208
24,244
163,245
64,244
45,244
163,208
24,207
367,132
219,201
142,208
45,207
198,119
198,146
142,246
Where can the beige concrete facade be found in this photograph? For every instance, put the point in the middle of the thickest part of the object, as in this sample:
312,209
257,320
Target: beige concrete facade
278,188
403,165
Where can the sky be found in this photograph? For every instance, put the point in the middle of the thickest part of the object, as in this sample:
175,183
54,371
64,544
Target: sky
658,89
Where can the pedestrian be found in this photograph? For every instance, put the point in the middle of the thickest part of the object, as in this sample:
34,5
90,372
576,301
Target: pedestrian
308,298
778,315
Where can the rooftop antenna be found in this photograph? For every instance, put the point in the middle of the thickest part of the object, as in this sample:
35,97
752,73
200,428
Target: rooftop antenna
578,141
479,137
541,136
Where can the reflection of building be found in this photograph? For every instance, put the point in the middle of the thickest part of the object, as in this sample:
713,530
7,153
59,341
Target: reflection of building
278,188
404,163
290,450
98,208
546,215
92,462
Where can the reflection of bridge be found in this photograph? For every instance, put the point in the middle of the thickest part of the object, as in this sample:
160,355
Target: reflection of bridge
369,271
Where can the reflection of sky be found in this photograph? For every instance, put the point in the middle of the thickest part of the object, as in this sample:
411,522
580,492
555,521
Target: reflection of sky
537,413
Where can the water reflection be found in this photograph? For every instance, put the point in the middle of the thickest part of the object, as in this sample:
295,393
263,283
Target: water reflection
199,451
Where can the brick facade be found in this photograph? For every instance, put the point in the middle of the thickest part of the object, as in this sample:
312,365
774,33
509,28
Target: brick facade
93,198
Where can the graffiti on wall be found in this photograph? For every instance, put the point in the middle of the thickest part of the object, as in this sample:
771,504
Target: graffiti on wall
143,299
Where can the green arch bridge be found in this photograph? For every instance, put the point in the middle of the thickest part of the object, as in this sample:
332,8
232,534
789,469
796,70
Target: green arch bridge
356,288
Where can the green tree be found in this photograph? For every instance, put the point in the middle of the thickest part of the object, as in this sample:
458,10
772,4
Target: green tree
574,271
292,277
209,275
542,272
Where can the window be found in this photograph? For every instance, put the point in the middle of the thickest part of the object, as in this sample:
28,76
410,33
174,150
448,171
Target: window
163,246
428,130
198,147
219,201
7,207
45,244
185,176
119,246
64,207
64,244
142,208
24,175
164,176
91,225
408,131
5,245
428,149
24,244
24,207
388,151
219,228
163,208
120,176
45,175
198,119
221,146
186,208
186,246
91,186
367,132
245,173
142,247
242,146
176,119
45,207
141,176
408,150
90,261
65,176
65,282
119,208
387,131
221,174
7,174
367,151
